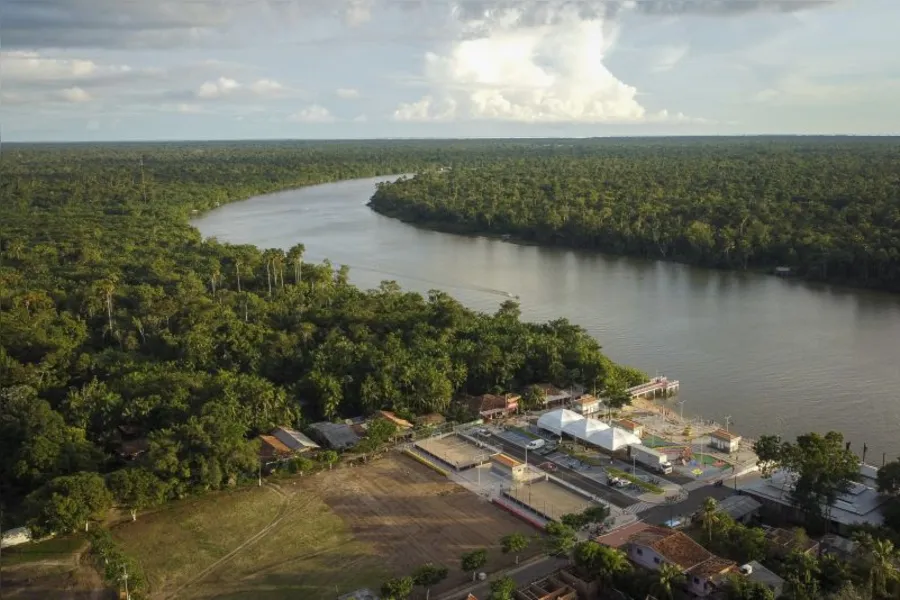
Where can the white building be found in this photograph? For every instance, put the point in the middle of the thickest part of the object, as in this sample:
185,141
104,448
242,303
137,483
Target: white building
725,441
586,405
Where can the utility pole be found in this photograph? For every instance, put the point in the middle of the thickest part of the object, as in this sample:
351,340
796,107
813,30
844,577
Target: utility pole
727,422
681,407
125,577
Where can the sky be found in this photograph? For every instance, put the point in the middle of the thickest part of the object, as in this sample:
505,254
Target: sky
73,70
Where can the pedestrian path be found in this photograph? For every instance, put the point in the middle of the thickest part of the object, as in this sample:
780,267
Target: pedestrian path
639,507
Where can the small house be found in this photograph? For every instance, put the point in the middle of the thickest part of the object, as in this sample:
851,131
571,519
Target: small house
651,546
757,573
630,426
742,509
271,449
552,587
553,396
493,406
507,466
294,440
784,541
586,406
725,441
337,436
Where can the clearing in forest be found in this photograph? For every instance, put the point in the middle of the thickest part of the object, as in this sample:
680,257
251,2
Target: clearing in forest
310,537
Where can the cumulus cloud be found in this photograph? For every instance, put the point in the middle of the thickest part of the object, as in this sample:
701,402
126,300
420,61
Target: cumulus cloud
535,62
22,66
226,87
216,89
312,114
74,95
347,93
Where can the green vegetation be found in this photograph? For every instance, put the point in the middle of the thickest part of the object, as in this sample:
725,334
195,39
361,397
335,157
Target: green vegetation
514,544
645,485
52,549
117,321
824,468
472,561
826,207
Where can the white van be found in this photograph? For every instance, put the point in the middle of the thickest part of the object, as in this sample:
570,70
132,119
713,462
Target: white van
535,444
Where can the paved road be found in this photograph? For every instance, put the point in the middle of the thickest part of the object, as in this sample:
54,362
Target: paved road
568,475
660,514
524,574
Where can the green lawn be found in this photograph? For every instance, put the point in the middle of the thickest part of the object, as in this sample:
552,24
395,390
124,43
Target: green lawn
635,480
59,548
297,547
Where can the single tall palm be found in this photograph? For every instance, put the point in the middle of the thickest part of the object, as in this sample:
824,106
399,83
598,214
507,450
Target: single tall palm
884,558
667,578
709,516
611,564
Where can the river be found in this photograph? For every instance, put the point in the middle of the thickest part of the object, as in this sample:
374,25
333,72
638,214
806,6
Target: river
776,355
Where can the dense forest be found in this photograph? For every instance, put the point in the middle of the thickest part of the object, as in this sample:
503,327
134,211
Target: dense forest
828,208
116,316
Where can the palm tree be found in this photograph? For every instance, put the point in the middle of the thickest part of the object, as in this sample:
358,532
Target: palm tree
667,578
295,257
708,515
883,559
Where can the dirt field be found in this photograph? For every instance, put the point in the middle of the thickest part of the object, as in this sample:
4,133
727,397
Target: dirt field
455,451
550,498
53,569
314,536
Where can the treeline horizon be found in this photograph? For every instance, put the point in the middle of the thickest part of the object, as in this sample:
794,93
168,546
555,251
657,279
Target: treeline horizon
828,209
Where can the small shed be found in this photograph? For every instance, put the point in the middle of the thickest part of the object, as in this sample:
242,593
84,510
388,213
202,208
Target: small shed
508,467
757,573
740,508
294,440
337,436
725,441
273,449
630,426
586,405
393,418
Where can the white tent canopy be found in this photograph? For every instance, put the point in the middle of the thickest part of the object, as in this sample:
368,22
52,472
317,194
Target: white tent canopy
613,439
556,421
584,428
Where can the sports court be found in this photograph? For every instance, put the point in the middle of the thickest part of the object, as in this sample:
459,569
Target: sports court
548,498
455,451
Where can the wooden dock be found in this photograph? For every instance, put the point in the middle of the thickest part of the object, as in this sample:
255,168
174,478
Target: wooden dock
658,386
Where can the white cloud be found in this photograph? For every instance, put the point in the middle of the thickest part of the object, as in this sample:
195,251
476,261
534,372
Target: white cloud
669,57
187,108
266,87
347,93
312,114
74,95
541,67
360,119
217,89
21,66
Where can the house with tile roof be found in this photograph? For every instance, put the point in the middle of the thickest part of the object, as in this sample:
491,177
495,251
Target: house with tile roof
651,547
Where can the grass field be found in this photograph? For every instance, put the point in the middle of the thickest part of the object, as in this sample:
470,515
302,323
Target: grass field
314,536
51,569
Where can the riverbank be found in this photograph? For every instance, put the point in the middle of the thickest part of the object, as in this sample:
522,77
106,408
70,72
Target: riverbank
475,231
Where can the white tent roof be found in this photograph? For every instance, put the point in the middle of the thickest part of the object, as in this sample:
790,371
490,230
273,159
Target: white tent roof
613,439
584,428
556,420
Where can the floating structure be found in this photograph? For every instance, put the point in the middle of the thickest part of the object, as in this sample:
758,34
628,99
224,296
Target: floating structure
658,386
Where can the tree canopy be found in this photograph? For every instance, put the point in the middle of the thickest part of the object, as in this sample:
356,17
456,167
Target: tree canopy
119,322
827,207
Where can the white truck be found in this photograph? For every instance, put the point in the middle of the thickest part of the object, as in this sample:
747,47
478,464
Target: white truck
649,457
